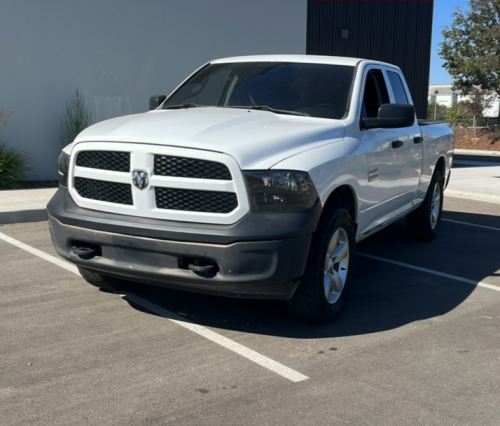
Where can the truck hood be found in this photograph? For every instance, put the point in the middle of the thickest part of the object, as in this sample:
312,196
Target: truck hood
255,139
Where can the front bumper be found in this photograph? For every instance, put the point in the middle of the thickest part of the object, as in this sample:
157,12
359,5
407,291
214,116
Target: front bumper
262,256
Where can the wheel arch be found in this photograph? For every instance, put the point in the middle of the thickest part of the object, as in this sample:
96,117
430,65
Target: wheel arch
441,165
343,196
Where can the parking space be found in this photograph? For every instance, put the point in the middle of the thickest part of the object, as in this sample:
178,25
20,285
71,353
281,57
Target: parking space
419,342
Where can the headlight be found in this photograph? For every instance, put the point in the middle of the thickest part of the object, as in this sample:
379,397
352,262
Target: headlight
280,190
63,168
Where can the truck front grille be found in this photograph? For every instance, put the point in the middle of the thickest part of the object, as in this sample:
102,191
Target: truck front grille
196,201
190,168
104,160
112,192
158,181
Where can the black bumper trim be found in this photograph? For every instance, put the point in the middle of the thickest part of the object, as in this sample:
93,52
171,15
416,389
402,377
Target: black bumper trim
268,269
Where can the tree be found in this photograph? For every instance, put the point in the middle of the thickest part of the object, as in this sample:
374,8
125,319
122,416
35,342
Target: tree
479,100
459,115
440,112
471,47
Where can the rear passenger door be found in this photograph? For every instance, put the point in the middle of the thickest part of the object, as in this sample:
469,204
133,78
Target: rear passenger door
411,156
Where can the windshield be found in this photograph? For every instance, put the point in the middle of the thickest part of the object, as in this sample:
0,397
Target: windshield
317,90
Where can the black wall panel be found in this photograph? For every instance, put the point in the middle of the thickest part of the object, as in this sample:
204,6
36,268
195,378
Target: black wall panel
394,31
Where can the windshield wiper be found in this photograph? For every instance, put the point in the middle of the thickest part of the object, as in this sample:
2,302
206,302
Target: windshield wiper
186,106
268,108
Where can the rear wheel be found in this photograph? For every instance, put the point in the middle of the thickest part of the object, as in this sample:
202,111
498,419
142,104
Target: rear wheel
423,223
102,281
328,276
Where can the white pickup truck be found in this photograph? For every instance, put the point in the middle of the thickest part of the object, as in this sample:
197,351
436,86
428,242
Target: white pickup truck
254,178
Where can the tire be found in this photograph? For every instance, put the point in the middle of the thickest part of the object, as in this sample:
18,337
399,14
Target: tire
322,292
423,223
101,281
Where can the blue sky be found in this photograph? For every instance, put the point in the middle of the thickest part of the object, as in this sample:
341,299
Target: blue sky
443,11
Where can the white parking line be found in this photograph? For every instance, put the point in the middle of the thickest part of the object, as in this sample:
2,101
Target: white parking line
471,224
68,266
245,352
205,332
430,271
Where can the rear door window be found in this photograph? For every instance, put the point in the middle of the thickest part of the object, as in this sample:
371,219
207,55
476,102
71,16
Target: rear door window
397,88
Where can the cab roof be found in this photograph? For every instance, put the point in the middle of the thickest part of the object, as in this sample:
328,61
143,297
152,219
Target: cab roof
308,59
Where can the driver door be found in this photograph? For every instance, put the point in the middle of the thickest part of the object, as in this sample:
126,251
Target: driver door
388,153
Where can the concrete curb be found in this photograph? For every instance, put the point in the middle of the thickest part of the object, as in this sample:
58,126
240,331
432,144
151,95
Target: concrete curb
22,216
485,197
476,158
481,153
472,163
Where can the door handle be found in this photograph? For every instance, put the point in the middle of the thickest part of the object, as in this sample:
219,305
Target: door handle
397,144
418,139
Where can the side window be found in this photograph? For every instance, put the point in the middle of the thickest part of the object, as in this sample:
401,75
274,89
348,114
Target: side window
397,88
375,94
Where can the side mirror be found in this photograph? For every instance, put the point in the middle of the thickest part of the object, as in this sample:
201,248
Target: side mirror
155,101
391,116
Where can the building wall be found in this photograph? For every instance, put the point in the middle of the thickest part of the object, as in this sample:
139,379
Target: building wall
119,53
394,31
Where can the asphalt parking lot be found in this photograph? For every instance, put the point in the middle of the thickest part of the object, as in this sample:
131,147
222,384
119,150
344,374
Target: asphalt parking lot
419,342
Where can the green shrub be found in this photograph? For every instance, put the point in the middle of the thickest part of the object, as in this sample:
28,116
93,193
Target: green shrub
436,110
14,164
77,119
459,115
4,118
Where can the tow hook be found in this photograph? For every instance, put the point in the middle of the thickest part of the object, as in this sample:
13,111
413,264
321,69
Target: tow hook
86,251
204,267
201,269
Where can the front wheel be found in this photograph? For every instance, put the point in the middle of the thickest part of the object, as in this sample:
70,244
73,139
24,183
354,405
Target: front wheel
101,281
424,222
322,292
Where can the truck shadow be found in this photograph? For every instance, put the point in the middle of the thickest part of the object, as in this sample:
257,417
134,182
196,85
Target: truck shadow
384,296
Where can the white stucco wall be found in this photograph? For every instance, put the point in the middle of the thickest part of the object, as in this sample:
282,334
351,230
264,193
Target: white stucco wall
118,53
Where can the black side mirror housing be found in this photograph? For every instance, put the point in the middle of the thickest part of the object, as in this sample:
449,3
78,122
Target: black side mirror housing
391,116
155,101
